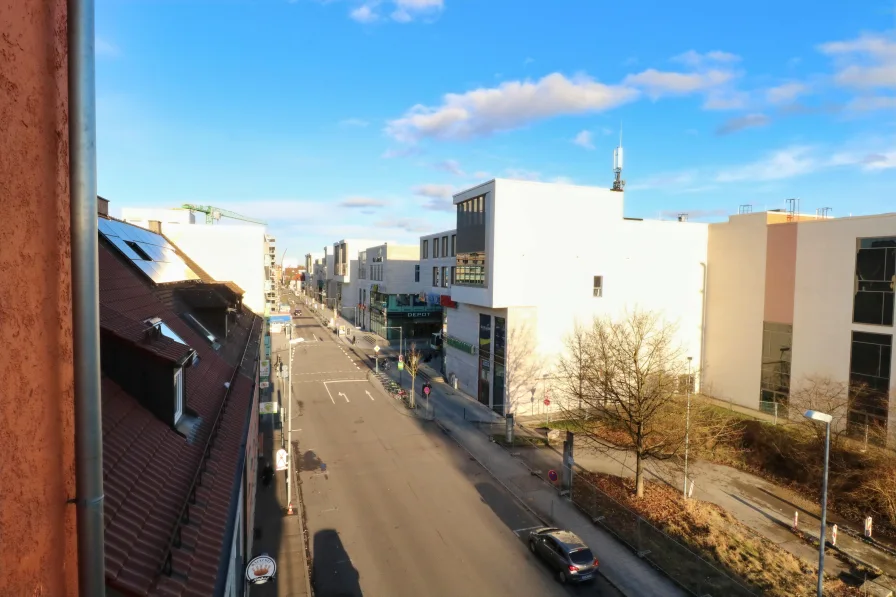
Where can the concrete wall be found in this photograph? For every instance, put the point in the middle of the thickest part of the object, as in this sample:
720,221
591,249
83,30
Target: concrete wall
463,324
427,264
228,253
38,537
398,269
735,309
823,300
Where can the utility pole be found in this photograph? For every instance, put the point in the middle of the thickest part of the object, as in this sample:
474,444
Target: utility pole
687,431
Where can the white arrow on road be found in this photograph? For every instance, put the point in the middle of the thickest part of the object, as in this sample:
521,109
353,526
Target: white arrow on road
344,396
368,394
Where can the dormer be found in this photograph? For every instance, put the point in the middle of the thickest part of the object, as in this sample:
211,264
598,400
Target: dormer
151,362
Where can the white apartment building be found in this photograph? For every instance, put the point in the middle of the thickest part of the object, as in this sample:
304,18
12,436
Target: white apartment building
793,297
436,275
344,274
271,278
389,298
142,216
534,259
312,262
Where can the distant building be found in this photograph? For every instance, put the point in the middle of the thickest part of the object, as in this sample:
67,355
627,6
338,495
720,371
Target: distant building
792,297
436,276
148,217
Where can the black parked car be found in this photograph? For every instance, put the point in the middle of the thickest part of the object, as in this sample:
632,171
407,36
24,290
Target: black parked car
568,556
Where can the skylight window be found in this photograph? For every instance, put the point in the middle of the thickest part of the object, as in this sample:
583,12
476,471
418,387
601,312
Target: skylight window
212,339
166,331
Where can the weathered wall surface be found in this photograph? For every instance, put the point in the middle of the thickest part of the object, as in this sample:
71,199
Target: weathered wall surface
37,471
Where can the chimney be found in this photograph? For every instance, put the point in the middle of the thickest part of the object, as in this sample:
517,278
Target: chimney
102,206
155,226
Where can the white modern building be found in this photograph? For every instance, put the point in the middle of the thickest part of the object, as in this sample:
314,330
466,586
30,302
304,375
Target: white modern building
142,216
794,297
389,298
534,259
343,292
312,265
438,266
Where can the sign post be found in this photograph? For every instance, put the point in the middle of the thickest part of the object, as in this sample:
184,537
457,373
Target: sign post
282,459
260,570
426,390
376,356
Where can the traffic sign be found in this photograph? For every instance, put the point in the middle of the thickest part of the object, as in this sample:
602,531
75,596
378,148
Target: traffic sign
401,365
547,401
426,390
401,358
282,459
552,475
376,348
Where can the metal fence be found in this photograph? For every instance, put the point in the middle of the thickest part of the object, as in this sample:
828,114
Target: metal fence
677,561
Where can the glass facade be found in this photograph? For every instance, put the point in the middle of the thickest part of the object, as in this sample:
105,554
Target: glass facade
485,340
471,231
869,380
777,340
500,349
875,280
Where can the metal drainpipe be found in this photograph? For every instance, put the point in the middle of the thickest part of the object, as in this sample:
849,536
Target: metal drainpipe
85,297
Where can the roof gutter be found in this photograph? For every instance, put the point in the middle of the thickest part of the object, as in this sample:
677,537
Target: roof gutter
85,297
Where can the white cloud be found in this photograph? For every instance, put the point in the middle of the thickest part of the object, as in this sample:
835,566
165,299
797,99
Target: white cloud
357,122
364,14
740,123
866,62
450,166
659,83
404,152
785,93
695,59
522,174
528,61
725,99
870,103
481,174
103,47
784,163
512,104
439,195
583,139
405,224
364,202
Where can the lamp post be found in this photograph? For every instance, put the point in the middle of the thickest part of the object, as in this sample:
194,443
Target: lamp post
825,418
687,431
400,347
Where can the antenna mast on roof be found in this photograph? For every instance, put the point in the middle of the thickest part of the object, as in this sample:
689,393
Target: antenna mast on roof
618,183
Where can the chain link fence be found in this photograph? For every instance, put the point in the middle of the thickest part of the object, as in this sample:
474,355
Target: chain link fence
691,571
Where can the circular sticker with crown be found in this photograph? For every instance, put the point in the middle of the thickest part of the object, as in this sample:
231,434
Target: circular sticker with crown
260,570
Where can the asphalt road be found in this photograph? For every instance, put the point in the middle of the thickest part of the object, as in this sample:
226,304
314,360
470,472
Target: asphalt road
393,507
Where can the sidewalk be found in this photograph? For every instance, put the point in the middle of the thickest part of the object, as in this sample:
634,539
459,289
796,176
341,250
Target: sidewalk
631,575
281,536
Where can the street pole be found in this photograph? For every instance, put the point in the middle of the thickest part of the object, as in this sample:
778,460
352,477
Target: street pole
289,433
687,432
824,509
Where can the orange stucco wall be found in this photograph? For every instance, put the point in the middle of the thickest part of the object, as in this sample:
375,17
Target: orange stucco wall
780,272
38,555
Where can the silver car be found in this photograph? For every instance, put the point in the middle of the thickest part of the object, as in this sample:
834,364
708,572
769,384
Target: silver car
566,554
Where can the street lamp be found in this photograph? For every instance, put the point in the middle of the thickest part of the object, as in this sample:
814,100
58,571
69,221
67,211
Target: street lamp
825,418
292,342
687,431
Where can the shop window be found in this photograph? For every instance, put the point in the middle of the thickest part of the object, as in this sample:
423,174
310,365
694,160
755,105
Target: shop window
598,286
875,278
869,380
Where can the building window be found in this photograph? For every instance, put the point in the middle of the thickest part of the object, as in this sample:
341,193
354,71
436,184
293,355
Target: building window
178,394
435,247
874,281
471,237
453,268
445,276
424,253
416,273
435,276
444,246
774,385
453,245
869,380
598,285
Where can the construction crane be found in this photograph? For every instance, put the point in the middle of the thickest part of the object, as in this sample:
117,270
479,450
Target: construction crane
213,214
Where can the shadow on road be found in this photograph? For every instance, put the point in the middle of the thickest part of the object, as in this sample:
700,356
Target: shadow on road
268,530
310,462
332,573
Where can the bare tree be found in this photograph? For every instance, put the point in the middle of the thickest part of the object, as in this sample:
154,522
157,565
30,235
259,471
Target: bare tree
522,369
825,395
412,363
631,379
574,371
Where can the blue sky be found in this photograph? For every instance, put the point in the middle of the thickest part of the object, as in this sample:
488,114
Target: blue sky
341,118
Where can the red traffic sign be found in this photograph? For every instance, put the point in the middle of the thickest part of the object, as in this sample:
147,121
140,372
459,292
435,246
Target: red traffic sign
547,401
426,390
552,475
401,358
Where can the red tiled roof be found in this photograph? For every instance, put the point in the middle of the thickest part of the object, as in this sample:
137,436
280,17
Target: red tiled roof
148,467
134,330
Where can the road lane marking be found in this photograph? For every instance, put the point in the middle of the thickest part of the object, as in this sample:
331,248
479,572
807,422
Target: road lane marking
368,394
344,396
328,393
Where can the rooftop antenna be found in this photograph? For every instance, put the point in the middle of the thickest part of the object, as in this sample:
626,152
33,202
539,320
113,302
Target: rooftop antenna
618,183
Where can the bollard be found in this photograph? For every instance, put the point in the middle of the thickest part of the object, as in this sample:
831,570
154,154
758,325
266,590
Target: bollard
796,520
834,535
868,527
